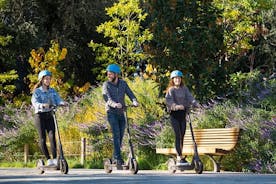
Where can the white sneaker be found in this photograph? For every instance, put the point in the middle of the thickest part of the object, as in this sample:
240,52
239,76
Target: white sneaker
55,161
50,162
182,162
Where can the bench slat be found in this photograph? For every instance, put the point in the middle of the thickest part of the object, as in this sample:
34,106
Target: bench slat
216,141
190,151
218,130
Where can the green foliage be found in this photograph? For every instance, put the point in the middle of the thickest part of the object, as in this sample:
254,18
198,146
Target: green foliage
269,102
265,51
41,60
251,88
33,24
6,89
257,136
5,83
219,116
5,40
146,92
240,20
242,81
17,129
148,159
187,38
166,138
126,36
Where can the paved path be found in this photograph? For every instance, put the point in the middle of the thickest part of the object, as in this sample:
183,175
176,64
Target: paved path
81,176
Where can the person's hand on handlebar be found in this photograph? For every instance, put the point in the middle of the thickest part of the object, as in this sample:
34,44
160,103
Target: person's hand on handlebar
45,106
179,107
135,103
63,103
118,105
195,104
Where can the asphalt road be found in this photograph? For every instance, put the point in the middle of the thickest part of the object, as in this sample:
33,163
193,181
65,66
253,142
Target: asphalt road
81,176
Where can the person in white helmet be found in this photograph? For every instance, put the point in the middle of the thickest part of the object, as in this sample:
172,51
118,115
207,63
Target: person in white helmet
178,100
114,91
43,98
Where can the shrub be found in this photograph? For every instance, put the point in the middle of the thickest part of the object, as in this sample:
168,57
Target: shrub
17,130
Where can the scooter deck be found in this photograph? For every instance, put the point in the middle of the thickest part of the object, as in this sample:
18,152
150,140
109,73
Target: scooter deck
119,167
184,167
48,167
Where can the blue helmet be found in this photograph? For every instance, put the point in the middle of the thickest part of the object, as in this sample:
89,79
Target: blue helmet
176,73
113,68
44,73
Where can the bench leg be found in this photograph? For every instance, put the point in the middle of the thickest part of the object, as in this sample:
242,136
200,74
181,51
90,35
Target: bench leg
215,163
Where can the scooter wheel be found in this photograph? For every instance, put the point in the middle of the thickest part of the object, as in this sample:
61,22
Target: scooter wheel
134,166
198,166
171,165
107,165
39,165
64,166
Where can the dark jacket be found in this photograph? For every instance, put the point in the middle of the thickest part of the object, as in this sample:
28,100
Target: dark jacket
113,94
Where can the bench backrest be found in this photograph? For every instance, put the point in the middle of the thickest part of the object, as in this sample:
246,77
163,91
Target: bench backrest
220,138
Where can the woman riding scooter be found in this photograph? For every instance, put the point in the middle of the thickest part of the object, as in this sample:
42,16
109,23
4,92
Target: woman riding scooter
42,99
178,100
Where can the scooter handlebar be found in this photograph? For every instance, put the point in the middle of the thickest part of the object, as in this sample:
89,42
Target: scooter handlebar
54,107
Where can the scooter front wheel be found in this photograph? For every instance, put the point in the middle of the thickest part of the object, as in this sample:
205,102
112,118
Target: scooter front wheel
39,165
134,166
171,165
107,165
63,166
198,166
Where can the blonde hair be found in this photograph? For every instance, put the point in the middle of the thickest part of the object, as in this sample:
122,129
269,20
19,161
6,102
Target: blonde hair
38,84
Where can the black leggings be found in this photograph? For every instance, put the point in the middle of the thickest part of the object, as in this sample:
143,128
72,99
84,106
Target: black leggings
44,122
178,122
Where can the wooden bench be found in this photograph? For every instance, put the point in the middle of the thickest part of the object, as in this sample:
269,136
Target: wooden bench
210,142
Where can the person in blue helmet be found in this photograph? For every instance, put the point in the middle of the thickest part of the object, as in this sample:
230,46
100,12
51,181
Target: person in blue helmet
114,91
43,98
178,100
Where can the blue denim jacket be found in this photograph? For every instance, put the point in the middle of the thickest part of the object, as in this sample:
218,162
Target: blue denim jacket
41,97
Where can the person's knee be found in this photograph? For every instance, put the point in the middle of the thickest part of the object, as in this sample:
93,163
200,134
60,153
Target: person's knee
116,135
51,135
42,141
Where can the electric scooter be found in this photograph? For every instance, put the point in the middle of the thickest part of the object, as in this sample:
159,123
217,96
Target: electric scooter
196,164
61,163
131,164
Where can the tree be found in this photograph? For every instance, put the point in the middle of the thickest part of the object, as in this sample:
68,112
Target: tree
6,87
126,36
41,60
33,24
265,49
187,38
241,23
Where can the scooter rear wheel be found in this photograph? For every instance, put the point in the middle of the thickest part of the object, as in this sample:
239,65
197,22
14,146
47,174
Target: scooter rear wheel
171,166
134,166
39,165
64,166
107,165
198,166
